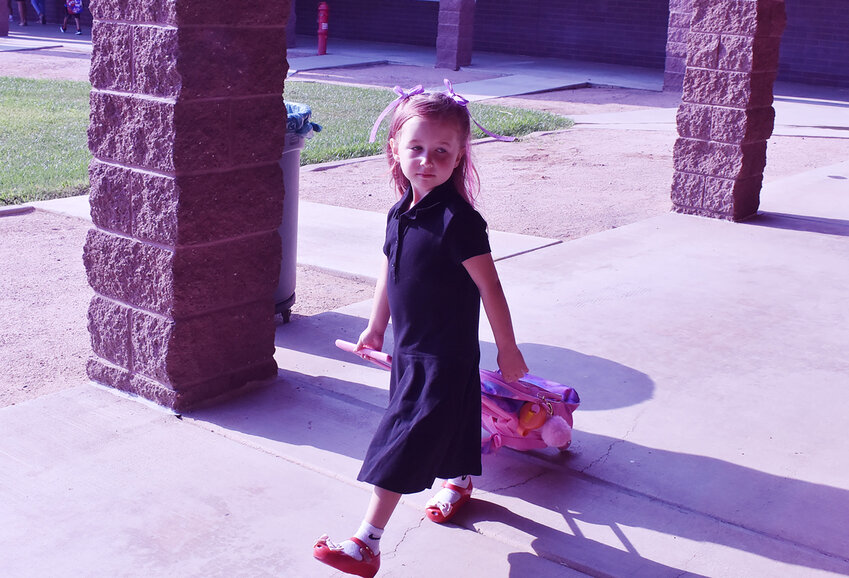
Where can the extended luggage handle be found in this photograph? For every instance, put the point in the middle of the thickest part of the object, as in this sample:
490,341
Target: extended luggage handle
379,358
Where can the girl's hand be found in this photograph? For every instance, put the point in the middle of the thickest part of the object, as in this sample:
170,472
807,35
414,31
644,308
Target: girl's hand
371,339
512,364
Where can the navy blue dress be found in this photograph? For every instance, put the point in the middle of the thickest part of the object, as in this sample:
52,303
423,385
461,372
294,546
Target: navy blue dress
431,428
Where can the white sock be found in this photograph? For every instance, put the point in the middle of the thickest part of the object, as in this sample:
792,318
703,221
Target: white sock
368,535
447,496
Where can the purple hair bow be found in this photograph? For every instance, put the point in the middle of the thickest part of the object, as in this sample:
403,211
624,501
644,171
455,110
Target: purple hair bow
402,95
449,90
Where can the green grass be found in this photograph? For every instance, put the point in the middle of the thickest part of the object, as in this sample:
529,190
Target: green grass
346,115
43,143
44,151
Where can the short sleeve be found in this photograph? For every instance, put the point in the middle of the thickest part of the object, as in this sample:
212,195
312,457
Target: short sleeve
467,236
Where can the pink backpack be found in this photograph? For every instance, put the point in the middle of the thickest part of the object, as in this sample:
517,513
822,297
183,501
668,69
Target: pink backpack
532,413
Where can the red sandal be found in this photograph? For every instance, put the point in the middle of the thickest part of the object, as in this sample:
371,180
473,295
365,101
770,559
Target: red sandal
440,515
333,555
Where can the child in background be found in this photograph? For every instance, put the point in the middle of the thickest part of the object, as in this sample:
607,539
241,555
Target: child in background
438,268
72,8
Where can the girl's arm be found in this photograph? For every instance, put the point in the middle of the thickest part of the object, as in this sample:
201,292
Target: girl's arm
483,273
372,337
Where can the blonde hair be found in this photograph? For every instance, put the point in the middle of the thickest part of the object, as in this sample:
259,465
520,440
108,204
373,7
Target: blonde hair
440,107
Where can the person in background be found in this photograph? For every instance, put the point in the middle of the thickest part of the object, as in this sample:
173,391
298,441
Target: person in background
72,8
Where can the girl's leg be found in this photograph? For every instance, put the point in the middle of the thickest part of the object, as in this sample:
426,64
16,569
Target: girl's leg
381,507
64,26
22,13
77,23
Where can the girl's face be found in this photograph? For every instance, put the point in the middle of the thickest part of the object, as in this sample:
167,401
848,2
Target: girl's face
428,152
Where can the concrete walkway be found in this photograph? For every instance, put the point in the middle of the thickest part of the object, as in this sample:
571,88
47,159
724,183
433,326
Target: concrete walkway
710,358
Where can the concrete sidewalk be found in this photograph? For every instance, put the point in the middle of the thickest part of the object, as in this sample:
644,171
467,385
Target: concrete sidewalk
710,357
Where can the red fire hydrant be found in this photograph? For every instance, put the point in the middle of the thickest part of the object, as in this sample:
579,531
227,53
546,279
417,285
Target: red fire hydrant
323,15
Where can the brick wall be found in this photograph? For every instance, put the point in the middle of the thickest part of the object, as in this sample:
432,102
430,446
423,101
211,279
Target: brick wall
815,46
399,21
629,32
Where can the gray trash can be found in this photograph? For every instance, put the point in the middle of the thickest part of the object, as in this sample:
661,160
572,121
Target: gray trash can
298,128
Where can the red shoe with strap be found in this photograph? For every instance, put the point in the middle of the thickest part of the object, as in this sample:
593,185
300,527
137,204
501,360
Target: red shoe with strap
441,512
333,555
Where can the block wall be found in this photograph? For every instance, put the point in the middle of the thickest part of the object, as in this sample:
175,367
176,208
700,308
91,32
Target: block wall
815,46
395,21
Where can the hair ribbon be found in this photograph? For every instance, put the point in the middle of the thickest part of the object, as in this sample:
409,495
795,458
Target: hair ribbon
449,91
402,96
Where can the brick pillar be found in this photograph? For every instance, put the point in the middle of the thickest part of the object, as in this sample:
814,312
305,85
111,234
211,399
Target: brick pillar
726,114
187,130
455,34
680,13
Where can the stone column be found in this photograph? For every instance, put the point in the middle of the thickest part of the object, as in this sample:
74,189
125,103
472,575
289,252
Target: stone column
680,13
187,130
455,34
726,115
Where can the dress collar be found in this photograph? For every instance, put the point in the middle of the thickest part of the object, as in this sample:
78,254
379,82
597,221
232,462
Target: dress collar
437,196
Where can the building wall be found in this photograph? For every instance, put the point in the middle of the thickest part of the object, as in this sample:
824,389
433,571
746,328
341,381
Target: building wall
815,45
397,21
631,32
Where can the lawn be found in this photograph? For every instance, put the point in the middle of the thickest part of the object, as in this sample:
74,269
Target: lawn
45,153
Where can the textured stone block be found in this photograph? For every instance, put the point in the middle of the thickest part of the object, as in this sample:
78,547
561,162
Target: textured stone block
694,121
252,138
153,390
108,326
112,57
220,275
745,17
231,62
727,161
723,88
223,387
132,131
150,337
108,261
703,50
687,189
219,343
677,49
679,19
154,201
201,135
227,273
741,126
101,371
151,284
727,16
153,11
110,194
735,199
154,66
223,205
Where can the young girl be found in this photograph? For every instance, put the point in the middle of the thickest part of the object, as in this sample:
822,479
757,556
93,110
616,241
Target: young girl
438,268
